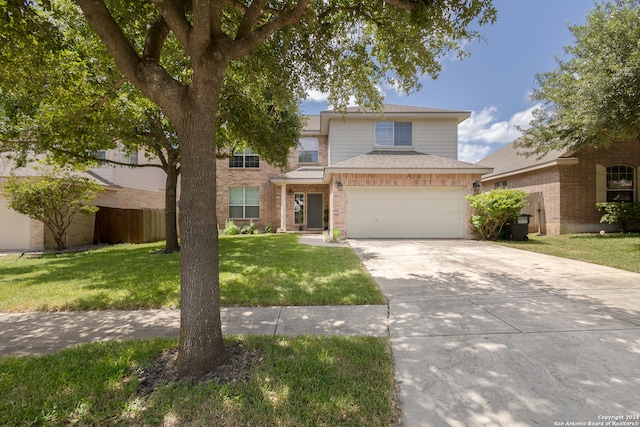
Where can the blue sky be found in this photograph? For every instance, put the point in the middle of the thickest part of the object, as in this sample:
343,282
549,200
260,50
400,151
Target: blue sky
494,82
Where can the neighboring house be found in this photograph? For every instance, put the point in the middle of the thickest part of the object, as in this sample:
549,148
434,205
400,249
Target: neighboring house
564,186
394,175
132,208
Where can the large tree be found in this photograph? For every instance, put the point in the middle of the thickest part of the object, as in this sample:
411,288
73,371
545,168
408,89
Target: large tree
68,100
592,98
343,47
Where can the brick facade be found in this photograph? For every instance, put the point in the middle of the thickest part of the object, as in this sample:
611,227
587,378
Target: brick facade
568,192
270,194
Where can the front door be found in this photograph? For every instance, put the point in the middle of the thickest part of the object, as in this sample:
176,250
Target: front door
314,211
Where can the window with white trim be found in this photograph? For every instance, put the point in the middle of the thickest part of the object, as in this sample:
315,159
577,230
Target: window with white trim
620,183
298,208
308,150
244,159
394,134
129,158
244,202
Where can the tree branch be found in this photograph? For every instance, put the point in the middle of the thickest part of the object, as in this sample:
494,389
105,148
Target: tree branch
250,18
287,16
173,12
156,35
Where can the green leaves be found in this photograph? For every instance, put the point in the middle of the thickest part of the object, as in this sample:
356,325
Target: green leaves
593,98
624,213
493,209
54,198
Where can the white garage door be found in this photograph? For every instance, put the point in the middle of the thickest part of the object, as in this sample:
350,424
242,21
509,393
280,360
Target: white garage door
14,228
406,212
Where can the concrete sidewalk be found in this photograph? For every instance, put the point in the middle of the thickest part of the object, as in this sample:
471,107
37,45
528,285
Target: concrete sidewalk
34,333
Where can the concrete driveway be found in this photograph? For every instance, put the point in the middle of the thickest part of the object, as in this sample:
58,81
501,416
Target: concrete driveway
488,335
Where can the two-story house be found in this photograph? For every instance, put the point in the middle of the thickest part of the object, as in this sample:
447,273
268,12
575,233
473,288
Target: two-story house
131,207
388,175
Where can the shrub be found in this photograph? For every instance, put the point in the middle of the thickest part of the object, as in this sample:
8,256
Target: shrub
268,229
230,229
249,228
493,209
624,213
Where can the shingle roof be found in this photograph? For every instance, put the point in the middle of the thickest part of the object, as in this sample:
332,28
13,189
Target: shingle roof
395,108
401,160
510,159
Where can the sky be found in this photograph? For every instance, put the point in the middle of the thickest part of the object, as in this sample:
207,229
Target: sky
495,81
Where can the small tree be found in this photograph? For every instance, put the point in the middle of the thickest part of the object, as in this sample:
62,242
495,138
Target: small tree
54,198
624,213
493,209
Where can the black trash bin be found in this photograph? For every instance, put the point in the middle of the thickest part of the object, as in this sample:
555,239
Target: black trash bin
518,227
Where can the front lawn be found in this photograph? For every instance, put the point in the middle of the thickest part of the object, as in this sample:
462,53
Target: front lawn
302,381
613,250
259,270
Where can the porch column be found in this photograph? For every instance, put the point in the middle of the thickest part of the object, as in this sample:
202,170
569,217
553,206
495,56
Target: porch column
283,207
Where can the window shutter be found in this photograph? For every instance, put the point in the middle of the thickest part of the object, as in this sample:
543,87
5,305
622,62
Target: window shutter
601,183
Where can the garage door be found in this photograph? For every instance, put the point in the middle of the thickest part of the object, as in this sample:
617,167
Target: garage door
406,212
14,228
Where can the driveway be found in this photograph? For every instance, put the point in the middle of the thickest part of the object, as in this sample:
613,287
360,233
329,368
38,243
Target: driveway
488,335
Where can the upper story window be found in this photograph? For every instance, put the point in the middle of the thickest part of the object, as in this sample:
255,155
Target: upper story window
308,150
620,183
100,154
244,159
394,134
129,158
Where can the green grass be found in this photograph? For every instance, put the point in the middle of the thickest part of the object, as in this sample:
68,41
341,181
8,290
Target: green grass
613,250
260,270
302,381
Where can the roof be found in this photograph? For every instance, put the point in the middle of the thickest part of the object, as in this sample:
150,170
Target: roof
396,108
320,124
404,161
305,174
510,160
35,168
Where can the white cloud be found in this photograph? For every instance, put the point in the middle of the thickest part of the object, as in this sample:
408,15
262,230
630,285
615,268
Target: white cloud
483,127
472,152
317,96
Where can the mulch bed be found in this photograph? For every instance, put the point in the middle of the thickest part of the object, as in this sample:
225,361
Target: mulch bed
163,369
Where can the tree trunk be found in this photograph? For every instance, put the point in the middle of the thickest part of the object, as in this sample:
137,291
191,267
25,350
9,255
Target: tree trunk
170,201
201,347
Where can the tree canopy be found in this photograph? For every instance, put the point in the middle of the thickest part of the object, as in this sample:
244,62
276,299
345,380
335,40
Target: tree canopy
593,97
234,55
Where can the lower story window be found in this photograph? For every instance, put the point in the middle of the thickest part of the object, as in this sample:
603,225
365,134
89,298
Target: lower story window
244,202
298,208
620,183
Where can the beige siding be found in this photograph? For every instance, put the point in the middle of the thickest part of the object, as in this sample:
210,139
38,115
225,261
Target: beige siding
437,137
349,138
14,228
147,178
353,137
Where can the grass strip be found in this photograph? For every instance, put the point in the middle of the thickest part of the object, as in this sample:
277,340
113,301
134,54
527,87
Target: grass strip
301,381
262,270
615,250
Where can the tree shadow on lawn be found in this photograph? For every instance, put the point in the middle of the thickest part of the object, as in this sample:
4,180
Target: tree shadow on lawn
285,272
254,271
118,277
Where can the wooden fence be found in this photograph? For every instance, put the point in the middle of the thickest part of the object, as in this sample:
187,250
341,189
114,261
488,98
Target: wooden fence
115,225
